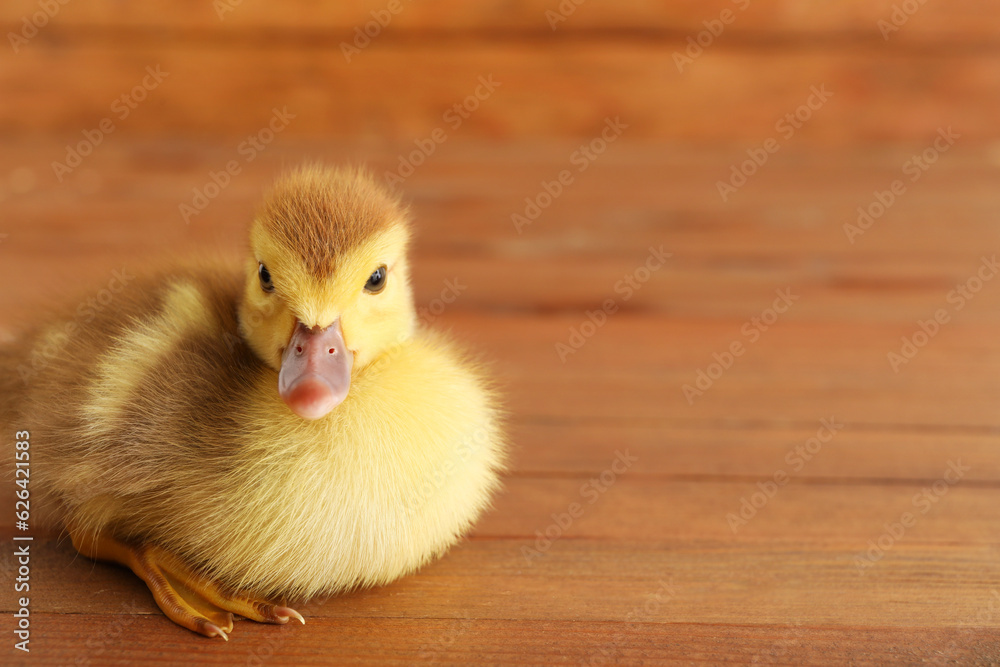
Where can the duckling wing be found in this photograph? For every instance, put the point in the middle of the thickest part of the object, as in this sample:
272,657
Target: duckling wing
130,398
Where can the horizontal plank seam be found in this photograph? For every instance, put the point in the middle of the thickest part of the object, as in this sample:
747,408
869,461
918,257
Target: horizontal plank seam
529,619
759,424
633,475
851,545
669,38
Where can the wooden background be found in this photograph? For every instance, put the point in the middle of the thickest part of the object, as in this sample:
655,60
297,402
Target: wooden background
651,572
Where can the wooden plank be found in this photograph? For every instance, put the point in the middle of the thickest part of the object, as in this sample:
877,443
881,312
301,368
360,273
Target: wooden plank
635,507
797,373
750,583
473,187
644,363
562,89
573,287
656,510
726,261
466,194
747,452
568,288
753,397
961,20
126,640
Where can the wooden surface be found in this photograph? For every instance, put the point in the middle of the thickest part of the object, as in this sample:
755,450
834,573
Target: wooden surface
225,76
654,570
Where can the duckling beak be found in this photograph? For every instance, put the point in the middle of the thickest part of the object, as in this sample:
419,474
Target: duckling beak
315,370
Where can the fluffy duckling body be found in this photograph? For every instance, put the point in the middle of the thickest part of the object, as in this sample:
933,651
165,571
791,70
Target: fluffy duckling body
279,432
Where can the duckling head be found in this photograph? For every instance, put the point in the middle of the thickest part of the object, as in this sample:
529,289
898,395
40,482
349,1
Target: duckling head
327,283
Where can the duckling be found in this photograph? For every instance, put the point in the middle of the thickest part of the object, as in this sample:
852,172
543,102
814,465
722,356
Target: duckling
241,437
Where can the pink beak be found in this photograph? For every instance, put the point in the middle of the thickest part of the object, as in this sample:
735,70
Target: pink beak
315,370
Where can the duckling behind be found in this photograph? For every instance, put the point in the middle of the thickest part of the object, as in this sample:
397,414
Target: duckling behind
278,432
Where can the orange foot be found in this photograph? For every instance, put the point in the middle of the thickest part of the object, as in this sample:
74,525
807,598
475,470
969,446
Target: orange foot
187,598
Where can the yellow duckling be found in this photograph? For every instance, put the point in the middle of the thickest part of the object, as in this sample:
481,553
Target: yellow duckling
241,437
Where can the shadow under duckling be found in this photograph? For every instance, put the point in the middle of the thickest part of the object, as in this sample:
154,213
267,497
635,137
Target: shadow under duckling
280,432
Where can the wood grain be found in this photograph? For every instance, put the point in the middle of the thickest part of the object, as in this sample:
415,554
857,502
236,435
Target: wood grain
727,258
872,95
752,582
477,641
958,21
695,553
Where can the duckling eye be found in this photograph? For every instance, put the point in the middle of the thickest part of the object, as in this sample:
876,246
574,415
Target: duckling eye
376,281
265,278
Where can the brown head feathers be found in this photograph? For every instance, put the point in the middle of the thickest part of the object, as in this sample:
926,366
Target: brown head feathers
325,212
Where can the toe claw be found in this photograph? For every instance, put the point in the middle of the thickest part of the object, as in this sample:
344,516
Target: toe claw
283,614
212,627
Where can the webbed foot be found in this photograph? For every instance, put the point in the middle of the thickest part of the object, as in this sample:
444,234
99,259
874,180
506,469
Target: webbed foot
187,597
